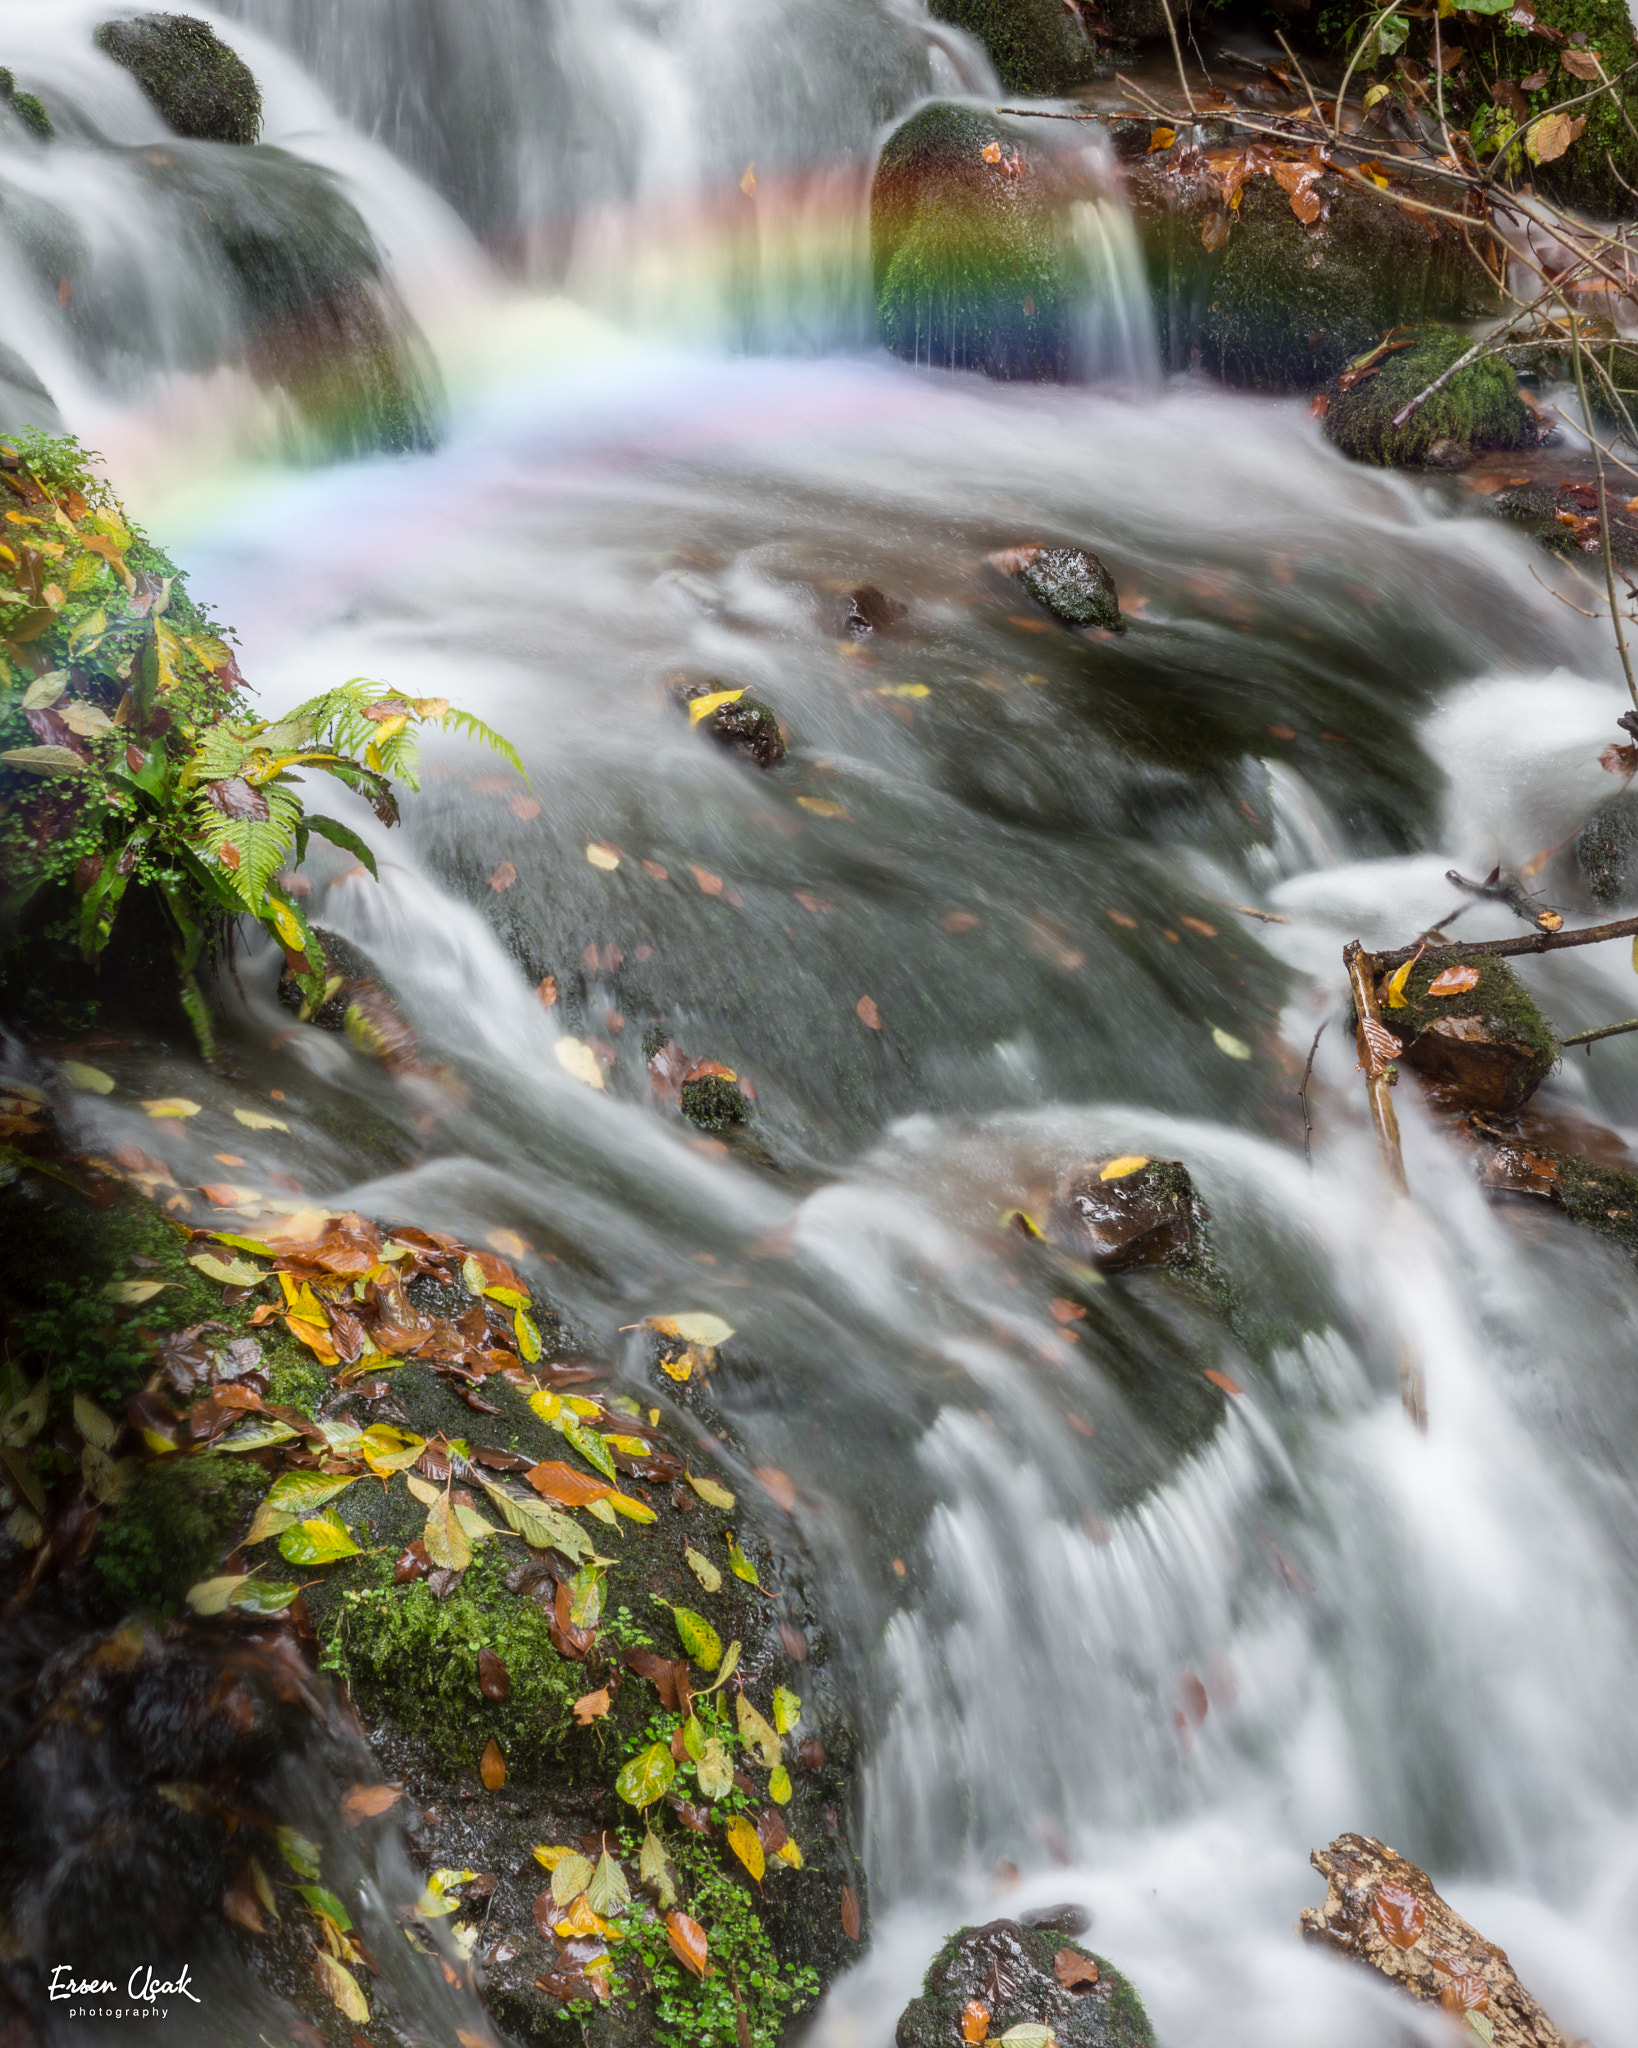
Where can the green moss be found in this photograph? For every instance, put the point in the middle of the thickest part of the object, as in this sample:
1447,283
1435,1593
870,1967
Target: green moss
171,1526
712,1103
201,87
1034,45
973,264
1606,849
1290,305
297,1380
1479,408
1600,1198
413,1660
1499,997
31,110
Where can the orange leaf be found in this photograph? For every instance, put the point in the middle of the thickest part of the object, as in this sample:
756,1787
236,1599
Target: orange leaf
710,884
777,1486
1399,1913
547,992
688,1943
563,1483
1454,981
850,1912
1072,1969
492,1768
503,877
991,152
1127,923
1199,924
867,1013
364,1802
975,2021
1320,406
1221,1379
592,1706
1161,138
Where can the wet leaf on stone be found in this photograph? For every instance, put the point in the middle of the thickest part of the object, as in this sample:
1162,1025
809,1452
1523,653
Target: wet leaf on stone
975,2021
570,1876
445,1539
787,1709
697,1636
779,1786
757,1733
171,1105
654,1869
211,1596
91,1080
576,1057
1399,1913
712,1492
326,1902
608,1892
322,1539
1226,1042
492,1766
227,1272
647,1777
850,1913
340,1986
132,1293
1221,1379
301,1854
494,1680
715,1769
1127,1163
590,1446
688,1942
591,1706
707,1330
258,1120
360,1803
1397,999
746,1845
299,1493
702,1568
1073,1970
1030,2034
1454,981
265,1596
542,1527
739,1564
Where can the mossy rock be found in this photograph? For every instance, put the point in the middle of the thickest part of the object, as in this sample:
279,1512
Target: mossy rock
1606,849
1036,46
1479,408
713,1103
1074,586
204,89
1147,1215
1015,1973
1603,1199
1584,176
973,261
170,1526
27,106
747,726
1487,1047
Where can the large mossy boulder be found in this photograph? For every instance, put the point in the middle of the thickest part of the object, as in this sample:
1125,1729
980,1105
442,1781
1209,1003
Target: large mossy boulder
1267,303
1479,408
1036,46
973,260
1022,1976
204,89
1471,1028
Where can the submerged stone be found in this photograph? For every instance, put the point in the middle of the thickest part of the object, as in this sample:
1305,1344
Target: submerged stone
1023,1976
1606,849
1485,1047
1148,1215
203,88
1070,583
1036,46
971,248
1479,408
748,726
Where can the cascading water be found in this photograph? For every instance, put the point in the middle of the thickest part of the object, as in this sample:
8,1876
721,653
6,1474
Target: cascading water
1150,1681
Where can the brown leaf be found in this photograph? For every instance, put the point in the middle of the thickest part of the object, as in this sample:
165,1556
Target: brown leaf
867,1013
564,1484
1221,1379
237,799
360,1803
1320,406
503,877
1507,94
547,992
1465,1993
777,1486
1073,1970
1161,138
710,885
960,921
1581,63
1380,1045
492,1767
412,1563
1306,206
975,2021
850,1913
241,1906
660,1673
1192,1694
1399,1913
1454,981
688,1942
592,1706
494,1680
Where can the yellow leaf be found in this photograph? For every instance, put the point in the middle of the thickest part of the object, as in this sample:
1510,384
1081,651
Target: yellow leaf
168,654
1162,138
529,1344
1377,92
1226,1042
694,1329
286,924
171,1105
602,856
128,1293
340,1986
903,690
1118,1169
681,1369
822,807
743,1840
1397,999
258,1120
550,1856
577,1058
702,707
315,1336
787,1852
92,1079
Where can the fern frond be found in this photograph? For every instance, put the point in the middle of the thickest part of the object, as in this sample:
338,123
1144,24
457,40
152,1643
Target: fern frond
474,728
261,844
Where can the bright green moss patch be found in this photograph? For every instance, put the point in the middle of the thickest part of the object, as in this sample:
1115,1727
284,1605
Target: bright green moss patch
712,1103
1034,45
25,105
171,1525
203,88
1479,408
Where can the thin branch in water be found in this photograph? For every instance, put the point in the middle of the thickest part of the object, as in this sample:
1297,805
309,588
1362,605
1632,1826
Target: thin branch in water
1302,1095
1532,942
1303,75
1248,910
1591,1038
1551,592
1177,52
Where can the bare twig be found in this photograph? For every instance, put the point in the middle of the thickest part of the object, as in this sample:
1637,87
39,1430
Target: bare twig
1603,518
1551,592
1581,428
1302,1095
1379,1072
1604,1031
1500,888
1532,942
1177,52
1303,75
1359,50
1248,910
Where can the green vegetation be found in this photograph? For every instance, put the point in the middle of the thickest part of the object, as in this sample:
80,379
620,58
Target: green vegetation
25,105
203,88
713,1102
1479,408
1035,45
1498,997
171,1524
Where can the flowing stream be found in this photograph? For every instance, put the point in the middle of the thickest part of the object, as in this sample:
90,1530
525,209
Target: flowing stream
665,447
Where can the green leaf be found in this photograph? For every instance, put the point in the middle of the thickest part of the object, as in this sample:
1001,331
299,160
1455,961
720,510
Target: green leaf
230,1272
211,1596
301,1854
445,1539
713,1494
44,760
299,1493
256,1434
341,1987
608,1893
339,835
328,1904
544,1527
698,1637
787,1708
693,1736
779,1786
586,1596
590,1446
647,1777
474,728
321,1540
264,1596
93,1425
739,1564
570,1877
91,1079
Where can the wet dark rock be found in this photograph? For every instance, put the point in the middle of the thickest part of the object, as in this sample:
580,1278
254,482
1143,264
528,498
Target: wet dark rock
1485,1048
1067,1919
1016,1973
1036,46
204,89
357,1005
1267,304
748,726
1479,408
868,611
1068,582
1148,1215
971,250
1606,849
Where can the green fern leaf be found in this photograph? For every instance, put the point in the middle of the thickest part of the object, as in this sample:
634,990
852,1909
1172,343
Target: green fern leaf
261,844
474,728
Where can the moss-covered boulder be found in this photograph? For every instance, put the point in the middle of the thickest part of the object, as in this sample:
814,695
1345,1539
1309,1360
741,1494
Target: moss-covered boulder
972,256
1117,1214
1479,408
29,108
1266,302
203,88
1070,583
1023,1976
1471,1028
1606,849
1036,46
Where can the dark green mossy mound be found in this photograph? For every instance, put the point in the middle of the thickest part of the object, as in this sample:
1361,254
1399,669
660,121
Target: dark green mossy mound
1010,1970
1479,408
1036,46
1290,305
972,262
1487,1047
1606,849
28,108
1499,998
203,89
1585,175
1600,1198
713,1103
172,1524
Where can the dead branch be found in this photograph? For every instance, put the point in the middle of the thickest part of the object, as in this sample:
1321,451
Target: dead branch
1603,1031
1499,888
1377,1046
1532,942
1302,1095
1382,1910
